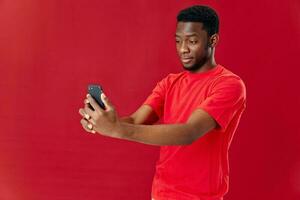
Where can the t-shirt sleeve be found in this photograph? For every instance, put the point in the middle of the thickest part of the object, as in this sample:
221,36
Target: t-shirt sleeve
157,98
227,97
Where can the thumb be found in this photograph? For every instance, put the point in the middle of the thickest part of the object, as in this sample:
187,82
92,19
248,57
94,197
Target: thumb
106,101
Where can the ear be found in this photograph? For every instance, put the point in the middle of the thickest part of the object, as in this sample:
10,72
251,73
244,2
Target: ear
213,40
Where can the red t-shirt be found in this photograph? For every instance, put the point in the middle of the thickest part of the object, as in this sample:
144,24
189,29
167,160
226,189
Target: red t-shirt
199,170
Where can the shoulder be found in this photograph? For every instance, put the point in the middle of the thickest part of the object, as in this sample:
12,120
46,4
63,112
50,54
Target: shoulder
226,80
168,81
173,77
228,77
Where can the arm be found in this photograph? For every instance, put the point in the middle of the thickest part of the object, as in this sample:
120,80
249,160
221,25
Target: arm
197,125
107,123
144,115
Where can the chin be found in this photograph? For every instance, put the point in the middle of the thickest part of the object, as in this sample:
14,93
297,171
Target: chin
188,65
191,67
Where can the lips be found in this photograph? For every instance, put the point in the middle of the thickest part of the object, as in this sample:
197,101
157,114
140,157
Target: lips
186,59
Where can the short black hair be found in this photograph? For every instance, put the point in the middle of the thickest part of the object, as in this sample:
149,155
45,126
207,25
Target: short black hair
204,14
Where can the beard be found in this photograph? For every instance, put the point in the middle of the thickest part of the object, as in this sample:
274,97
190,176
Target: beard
199,63
196,66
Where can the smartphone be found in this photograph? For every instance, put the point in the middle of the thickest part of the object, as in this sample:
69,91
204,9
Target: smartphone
95,91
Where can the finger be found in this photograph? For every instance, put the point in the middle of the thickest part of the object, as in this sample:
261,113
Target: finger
90,115
107,103
85,125
84,114
88,110
90,126
93,103
86,101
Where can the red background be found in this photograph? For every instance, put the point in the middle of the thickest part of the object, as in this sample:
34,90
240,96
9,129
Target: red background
51,49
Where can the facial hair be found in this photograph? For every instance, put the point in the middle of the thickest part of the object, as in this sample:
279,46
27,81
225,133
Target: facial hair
197,66
200,63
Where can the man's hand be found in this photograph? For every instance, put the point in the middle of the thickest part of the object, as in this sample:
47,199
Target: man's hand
105,122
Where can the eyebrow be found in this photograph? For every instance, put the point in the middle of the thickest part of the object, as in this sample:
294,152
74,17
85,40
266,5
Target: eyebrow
188,35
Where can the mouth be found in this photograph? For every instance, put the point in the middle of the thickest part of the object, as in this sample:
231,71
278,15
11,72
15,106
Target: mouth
186,60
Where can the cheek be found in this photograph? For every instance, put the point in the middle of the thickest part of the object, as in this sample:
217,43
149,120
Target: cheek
178,48
198,50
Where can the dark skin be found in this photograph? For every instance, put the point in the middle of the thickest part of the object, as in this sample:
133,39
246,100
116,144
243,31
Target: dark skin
194,47
196,51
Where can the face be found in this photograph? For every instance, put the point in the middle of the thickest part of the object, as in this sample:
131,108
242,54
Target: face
192,44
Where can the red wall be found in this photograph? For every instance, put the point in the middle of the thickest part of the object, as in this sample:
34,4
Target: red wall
51,49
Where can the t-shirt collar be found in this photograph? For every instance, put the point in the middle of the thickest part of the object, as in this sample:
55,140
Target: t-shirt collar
212,71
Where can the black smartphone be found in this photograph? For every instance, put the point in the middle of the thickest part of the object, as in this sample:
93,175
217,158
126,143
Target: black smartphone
95,91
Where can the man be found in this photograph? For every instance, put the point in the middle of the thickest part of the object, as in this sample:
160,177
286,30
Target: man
200,107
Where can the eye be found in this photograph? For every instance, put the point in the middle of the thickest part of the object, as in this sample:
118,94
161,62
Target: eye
193,41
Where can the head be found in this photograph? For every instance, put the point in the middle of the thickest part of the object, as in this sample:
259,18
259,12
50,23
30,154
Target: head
196,36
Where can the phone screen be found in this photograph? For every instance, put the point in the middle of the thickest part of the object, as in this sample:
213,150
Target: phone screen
95,91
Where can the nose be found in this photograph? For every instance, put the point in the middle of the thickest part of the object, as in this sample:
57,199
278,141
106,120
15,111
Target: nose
184,48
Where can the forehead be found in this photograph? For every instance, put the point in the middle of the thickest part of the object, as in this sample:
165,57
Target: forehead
186,28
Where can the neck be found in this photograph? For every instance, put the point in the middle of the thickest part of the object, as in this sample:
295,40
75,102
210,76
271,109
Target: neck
210,62
208,65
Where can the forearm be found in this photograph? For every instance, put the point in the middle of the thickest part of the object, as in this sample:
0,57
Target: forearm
173,134
127,119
